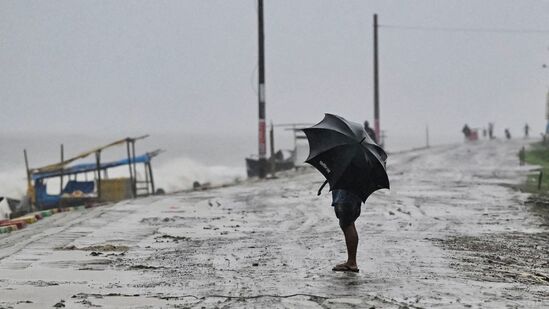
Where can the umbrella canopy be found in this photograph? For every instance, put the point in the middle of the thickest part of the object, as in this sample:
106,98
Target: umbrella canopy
349,159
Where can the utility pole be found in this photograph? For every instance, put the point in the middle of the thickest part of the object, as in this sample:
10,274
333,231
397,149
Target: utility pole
376,84
261,93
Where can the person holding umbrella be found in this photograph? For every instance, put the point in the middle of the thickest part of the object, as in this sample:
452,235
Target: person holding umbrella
354,166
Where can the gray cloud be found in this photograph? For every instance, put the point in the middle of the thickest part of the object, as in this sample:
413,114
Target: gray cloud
189,66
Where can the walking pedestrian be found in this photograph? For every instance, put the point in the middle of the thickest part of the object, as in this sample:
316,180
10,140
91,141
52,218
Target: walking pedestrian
491,130
353,166
466,131
370,131
507,134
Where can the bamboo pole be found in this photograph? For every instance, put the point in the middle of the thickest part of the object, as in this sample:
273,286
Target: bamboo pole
61,177
151,177
134,170
130,165
98,162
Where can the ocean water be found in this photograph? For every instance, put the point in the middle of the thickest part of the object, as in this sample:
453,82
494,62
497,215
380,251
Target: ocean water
187,158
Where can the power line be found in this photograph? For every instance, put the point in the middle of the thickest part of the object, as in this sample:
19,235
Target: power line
470,30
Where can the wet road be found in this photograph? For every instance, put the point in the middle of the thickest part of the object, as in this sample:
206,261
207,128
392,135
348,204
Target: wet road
452,232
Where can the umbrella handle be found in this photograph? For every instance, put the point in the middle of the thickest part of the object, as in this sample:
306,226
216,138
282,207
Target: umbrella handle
322,187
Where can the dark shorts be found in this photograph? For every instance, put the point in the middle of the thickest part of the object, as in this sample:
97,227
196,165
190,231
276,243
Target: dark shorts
347,213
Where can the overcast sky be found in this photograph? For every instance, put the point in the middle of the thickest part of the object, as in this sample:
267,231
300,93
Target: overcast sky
132,67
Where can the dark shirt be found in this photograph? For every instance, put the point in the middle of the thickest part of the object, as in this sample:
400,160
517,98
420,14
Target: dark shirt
340,196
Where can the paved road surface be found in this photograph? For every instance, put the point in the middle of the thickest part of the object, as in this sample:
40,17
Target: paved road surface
452,232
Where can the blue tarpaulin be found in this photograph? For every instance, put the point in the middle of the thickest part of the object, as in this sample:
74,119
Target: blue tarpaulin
83,186
89,167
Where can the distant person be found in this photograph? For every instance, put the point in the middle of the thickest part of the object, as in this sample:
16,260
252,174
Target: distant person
491,130
522,155
484,132
370,131
507,134
466,131
526,130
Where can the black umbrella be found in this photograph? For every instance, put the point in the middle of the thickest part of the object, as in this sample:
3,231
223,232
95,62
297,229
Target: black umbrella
344,153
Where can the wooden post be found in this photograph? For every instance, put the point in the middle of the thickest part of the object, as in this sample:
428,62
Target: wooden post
130,164
147,181
30,190
134,170
98,162
151,177
273,160
540,178
61,177
27,168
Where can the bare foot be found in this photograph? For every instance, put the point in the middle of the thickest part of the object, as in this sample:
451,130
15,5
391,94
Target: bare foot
345,267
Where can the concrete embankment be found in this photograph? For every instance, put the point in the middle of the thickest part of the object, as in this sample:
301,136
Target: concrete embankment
452,232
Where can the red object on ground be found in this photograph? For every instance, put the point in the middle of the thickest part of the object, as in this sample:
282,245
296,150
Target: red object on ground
474,135
19,223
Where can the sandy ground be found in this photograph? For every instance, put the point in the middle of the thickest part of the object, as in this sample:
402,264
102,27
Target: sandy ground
452,232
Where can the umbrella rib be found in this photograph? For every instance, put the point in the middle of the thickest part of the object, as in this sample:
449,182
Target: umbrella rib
378,148
331,130
343,121
349,141
324,151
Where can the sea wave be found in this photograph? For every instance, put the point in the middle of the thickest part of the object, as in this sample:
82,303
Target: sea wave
13,183
171,175
180,173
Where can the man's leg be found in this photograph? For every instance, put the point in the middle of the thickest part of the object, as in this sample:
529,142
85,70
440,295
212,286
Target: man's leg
347,215
351,240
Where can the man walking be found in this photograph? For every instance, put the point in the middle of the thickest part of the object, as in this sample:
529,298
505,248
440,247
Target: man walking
491,130
507,134
354,167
